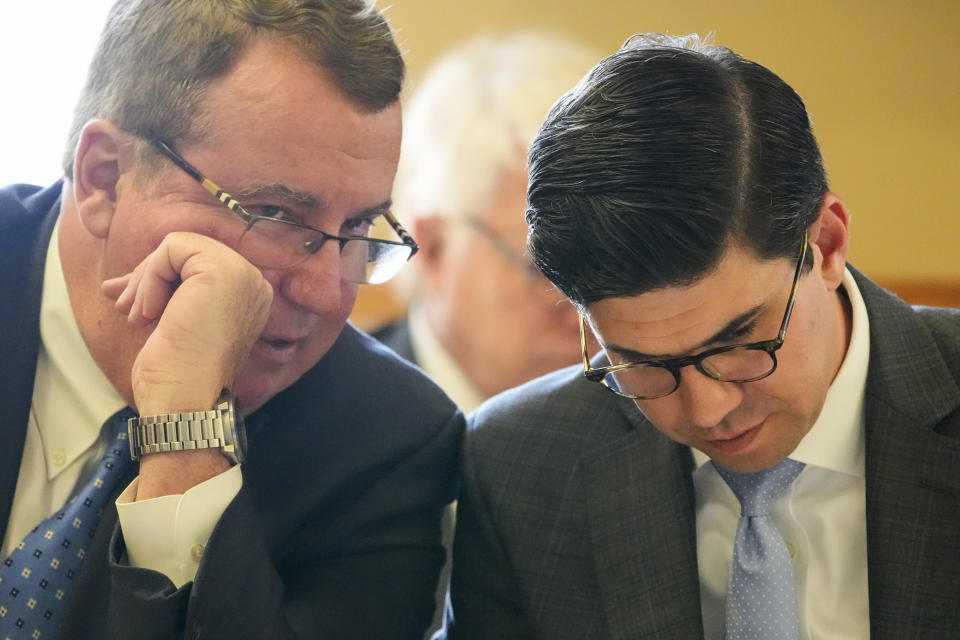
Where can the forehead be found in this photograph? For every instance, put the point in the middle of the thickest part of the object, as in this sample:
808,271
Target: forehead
676,320
277,117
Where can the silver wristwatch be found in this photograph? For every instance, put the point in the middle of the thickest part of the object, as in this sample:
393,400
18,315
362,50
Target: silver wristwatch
220,428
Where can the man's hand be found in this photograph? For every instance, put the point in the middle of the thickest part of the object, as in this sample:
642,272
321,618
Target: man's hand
208,306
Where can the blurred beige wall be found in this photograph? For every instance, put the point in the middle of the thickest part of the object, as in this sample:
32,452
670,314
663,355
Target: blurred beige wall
879,77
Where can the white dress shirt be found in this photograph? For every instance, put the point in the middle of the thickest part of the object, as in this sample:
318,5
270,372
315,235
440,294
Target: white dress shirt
822,516
71,401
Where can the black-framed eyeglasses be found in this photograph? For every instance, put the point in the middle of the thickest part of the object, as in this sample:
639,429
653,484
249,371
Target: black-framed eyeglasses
278,243
648,379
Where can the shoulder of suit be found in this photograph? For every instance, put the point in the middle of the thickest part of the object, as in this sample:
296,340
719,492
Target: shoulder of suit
944,326
26,203
361,382
562,408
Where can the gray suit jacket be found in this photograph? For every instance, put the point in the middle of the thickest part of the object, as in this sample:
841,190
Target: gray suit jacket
577,516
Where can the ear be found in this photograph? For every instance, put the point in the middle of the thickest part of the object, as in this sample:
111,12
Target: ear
102,157
830,237
431,235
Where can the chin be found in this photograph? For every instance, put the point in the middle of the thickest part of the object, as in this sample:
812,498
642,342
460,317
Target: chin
255,389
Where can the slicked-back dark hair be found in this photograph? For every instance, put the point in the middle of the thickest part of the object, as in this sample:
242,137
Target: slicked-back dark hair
155,58
663,155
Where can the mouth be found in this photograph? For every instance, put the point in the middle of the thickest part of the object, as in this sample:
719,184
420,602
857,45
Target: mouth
275,350
736,443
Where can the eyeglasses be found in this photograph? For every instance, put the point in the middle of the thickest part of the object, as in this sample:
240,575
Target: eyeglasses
505,249
648,379
279,243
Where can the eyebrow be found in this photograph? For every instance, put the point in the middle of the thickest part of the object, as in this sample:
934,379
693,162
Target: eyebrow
281,192
307,200
725,334
375,210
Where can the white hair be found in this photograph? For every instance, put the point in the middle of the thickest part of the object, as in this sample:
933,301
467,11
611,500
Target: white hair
474,116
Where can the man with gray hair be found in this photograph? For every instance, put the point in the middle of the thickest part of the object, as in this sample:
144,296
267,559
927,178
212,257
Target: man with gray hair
228,169
481,318
766,448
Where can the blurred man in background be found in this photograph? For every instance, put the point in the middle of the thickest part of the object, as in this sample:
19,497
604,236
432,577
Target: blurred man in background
481,318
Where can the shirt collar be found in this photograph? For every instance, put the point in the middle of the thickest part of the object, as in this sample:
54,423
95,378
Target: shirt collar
439,365
72,398
836,440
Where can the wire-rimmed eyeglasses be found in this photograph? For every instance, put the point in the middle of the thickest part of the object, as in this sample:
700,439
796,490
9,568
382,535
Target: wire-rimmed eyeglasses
278,243
648,379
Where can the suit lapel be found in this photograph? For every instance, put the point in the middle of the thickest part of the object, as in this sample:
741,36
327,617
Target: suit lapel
640,504
911,472
25,235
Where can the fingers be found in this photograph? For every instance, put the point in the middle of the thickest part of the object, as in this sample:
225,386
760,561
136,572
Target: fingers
123,290
113,287
205,306
155,286
143,294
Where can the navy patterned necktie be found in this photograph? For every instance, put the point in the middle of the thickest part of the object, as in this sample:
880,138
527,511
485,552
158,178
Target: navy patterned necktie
36,579
761,593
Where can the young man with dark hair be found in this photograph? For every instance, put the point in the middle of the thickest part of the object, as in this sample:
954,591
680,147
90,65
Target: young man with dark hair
767,446
140,296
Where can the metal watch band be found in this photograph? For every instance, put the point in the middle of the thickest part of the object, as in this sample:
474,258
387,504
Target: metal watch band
176,432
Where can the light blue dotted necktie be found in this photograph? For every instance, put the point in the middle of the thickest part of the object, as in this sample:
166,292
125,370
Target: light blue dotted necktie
36,580
761,594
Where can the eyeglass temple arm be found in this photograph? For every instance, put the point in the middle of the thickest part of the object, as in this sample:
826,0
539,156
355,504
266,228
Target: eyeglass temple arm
204,181
175,158
405,237
583,344
782,334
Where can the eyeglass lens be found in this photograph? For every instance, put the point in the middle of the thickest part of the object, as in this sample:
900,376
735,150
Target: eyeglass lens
735,365
278,245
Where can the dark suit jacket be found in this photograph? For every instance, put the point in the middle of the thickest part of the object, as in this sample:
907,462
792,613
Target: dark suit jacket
576,519
336,531
396,335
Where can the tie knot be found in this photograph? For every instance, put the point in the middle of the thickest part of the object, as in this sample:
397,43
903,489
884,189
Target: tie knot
757,491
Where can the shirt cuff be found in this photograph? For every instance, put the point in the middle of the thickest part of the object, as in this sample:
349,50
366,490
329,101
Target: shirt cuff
169,534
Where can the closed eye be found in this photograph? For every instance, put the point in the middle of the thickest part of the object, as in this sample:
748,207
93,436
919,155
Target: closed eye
741,333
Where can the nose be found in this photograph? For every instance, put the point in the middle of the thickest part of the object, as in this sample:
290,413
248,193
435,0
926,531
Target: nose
707,401
315,283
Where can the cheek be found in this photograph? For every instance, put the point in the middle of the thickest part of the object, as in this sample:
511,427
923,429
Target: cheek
348,297
131,236
666,415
